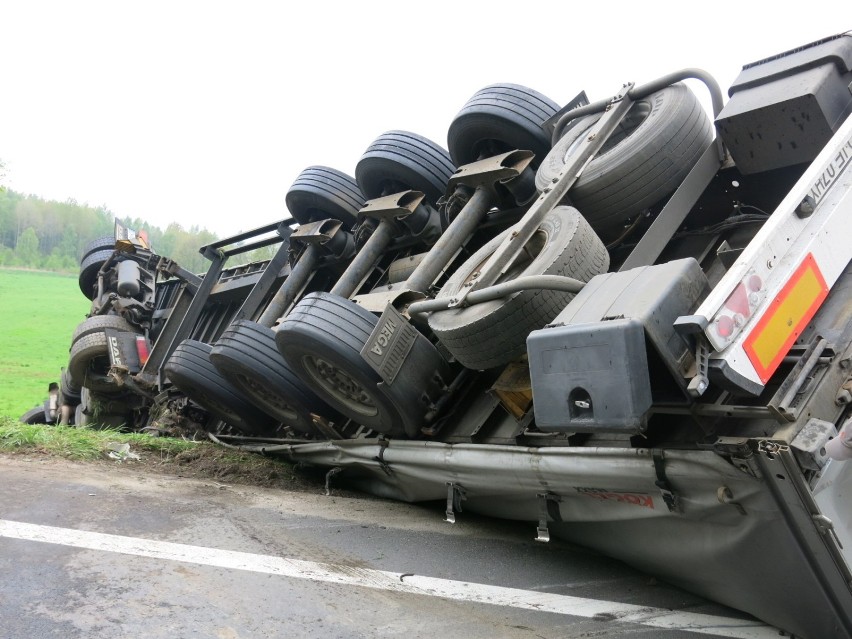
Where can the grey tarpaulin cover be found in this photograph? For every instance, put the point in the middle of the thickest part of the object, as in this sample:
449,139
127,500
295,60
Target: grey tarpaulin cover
727,539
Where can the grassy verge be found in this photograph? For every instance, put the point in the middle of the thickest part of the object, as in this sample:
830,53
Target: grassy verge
81,443
201,459
38,313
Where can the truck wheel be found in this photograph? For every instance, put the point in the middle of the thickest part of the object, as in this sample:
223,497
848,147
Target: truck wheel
321,339
494,333
88,363
107,242
500,118
247,355
321,193
89,268
101,412
190,369
33,416
69,391
646,158
399,160
99,323
81,418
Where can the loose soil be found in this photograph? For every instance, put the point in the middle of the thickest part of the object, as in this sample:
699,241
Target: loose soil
207,461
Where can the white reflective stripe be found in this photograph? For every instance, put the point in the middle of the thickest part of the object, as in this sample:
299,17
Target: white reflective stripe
391,581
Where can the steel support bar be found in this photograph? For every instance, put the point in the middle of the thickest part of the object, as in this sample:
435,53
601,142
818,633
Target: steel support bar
260,290
502,258
365,260
669,220
187,321
292,286
282,228
448,245
160,351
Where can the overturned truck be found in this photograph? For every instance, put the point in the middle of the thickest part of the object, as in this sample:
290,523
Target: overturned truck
614,319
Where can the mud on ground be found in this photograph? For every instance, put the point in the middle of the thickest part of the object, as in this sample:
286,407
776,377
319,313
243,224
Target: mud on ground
206,461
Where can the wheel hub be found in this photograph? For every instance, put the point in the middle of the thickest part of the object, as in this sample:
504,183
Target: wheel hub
266,395
342,386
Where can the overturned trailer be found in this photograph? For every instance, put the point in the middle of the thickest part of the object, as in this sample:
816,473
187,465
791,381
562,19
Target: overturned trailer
603,319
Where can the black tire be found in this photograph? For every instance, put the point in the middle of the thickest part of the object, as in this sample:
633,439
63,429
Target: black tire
100,412
321,193
321,339
400,270
33,416
247,355
500,118
89,363
494,333
656,145
81,417
68,389
399,160
89,268
107,242
99,323
190,369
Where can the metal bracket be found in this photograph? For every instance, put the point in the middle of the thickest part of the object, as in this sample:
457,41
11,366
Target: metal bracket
392,207
548,510
786,404
487,172
698,385
456,494
826,527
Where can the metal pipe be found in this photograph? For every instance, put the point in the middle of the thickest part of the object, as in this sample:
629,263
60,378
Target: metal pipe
544,282
643,91
292,286
365,260
451,240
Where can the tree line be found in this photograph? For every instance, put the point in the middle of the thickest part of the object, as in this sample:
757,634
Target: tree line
49,235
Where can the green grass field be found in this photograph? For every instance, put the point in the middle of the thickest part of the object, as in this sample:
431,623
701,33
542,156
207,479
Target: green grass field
38,313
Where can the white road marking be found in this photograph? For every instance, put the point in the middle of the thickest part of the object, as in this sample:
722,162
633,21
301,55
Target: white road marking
391,581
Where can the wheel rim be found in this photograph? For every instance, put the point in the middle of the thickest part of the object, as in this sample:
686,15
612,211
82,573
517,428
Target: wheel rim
637,114
225,412
267,396
531,250
340,385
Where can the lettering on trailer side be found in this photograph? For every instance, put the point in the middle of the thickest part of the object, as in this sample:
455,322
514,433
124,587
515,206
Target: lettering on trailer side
601,494
829,176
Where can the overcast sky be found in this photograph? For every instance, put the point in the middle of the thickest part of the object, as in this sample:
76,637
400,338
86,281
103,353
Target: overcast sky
205,112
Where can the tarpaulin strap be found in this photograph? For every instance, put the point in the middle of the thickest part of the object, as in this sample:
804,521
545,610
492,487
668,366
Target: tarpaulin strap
669,496
328,476
383,444
548,510
456,494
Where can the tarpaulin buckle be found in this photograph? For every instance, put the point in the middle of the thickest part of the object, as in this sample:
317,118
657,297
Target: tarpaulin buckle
548,510
456,494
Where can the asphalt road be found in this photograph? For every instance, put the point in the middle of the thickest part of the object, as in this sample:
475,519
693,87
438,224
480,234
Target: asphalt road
95,551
